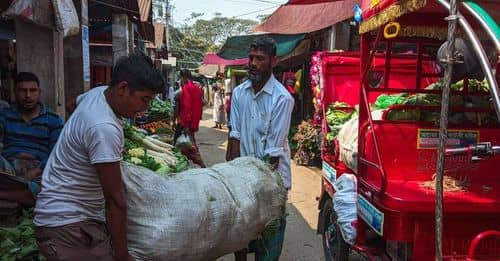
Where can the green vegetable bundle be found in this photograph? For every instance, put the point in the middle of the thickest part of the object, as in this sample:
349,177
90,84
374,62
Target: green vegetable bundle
336,117
160,110
19,243
151,153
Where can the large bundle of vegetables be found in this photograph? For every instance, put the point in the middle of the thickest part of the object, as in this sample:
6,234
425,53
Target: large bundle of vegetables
160,110
151,153
336,116
19,243
425,99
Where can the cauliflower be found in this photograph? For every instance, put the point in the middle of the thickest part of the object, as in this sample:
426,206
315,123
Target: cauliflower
136,152
135,160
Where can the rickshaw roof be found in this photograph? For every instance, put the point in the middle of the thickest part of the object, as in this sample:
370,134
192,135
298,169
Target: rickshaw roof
420,17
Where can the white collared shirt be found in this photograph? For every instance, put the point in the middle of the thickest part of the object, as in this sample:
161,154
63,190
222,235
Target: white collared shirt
261,123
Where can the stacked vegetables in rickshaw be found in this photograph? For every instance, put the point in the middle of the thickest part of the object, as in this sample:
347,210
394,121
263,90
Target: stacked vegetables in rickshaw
337,114
343,123
152,153
384,101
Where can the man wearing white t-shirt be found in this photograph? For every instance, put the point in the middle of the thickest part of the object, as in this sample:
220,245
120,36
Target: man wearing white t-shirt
82,197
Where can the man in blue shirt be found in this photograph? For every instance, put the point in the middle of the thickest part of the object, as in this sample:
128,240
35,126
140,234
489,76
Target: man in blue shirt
28,132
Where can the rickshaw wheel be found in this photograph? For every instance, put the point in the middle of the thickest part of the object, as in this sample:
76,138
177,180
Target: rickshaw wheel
334,246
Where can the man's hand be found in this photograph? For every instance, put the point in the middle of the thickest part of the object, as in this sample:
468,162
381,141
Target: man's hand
274,162
33,173
234,148
187,131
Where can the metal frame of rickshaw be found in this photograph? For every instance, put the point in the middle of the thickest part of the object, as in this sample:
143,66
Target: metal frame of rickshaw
366,58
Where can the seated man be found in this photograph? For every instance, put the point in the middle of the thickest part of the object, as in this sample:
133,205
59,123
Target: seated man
28,132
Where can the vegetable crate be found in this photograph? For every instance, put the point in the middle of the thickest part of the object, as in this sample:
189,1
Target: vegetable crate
395,155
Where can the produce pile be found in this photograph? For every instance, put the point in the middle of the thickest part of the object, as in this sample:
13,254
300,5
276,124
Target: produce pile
157,127
307,139
336,116
19,243
339,113
152,153
160,110
423,99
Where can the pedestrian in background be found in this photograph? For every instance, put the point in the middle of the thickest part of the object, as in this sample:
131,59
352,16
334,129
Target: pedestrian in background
190,113
218,109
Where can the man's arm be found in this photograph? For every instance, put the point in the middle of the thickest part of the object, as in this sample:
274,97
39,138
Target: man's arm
234,135
279,129
116,206
104,143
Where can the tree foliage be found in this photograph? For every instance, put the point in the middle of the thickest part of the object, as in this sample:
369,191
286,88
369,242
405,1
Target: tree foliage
197,36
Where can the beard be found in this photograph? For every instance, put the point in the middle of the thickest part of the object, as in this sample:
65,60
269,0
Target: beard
259,77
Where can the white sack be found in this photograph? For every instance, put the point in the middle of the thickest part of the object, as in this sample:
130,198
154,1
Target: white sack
348,140
66,17
344,204
200,214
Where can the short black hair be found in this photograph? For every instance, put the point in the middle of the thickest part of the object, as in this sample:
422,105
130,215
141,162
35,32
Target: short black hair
27,77
186,74
139,72
265,44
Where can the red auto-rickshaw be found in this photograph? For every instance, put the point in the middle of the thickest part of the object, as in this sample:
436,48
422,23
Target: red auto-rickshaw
396,157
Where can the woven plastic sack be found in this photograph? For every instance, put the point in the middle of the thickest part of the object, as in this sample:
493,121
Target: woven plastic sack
344,204
200,214
66,17
348,140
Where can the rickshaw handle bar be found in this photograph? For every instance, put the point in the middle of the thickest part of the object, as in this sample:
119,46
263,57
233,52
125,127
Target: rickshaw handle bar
478,239
480,149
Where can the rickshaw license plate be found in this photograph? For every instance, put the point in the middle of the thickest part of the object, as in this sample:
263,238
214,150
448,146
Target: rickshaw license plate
329,172
371,215
429,138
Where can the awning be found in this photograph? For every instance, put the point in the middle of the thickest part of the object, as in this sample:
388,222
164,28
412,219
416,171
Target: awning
213,58
294,19
308,2
300,50
209,70
141,9
236,47
159,30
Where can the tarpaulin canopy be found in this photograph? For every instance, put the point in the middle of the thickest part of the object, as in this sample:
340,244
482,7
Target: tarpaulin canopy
426,17
213,58
294,19
308,2
209,70
236,47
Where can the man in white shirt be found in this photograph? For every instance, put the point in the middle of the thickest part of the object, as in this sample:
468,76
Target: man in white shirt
261,110
82,196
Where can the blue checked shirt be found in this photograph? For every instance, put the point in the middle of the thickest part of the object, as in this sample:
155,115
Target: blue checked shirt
36,137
